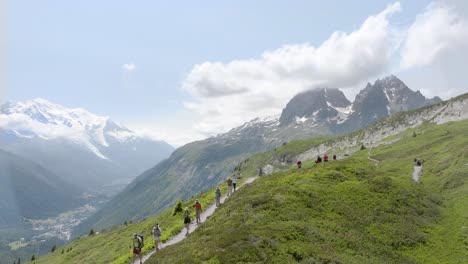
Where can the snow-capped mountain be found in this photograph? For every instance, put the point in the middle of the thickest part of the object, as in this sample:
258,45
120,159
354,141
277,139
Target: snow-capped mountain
75,144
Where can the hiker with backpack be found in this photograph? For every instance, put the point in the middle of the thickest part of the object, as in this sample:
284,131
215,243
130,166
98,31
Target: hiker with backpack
334,157
299,164
229,186
156,235
138,244
187,220
218,196
234,183
198,210
325,158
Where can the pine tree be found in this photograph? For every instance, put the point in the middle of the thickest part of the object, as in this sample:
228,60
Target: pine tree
54,247
91,232
178,208
33,258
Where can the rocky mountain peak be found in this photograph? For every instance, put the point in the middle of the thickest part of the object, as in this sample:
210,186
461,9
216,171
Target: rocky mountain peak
386,96
319,103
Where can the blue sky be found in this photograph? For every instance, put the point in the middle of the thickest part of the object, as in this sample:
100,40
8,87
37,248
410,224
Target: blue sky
73,53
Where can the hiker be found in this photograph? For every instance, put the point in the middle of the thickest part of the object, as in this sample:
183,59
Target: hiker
299,164
218,196
234,183
137,246
319,159
156,235
229,186
325,158
334,157
187,220
418,162
198,210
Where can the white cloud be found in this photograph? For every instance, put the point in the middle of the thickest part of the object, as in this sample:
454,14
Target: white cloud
438,30
228,94
176,129
129,67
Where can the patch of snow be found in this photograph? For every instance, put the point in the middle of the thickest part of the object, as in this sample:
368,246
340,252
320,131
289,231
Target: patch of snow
345,110
121,135
343,114
300,120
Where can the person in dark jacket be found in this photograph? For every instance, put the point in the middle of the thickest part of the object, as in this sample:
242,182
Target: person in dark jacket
319,159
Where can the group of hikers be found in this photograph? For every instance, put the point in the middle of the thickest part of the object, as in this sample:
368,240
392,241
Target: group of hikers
318,160
138,240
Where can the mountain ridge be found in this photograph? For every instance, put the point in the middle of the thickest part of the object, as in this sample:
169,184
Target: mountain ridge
31,191
198,165
64,139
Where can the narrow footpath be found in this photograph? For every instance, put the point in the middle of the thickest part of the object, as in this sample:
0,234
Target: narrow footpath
193,225
372,159
417,173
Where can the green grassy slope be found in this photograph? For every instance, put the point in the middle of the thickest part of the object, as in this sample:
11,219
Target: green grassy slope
113,245
349,211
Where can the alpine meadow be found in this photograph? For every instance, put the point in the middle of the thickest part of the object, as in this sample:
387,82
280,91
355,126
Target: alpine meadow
231,132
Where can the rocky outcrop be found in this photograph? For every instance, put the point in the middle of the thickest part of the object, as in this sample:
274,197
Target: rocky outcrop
320,104
453,110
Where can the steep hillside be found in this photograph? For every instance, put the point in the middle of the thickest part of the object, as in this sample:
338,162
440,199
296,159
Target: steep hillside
85,149
200,165
29,191
353,210
191,169
113,245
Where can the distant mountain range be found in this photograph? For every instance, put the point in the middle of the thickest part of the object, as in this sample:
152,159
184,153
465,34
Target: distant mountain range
83,149
199,165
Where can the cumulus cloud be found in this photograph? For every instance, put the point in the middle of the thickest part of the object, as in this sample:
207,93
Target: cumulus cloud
129,67
228,94
438,30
